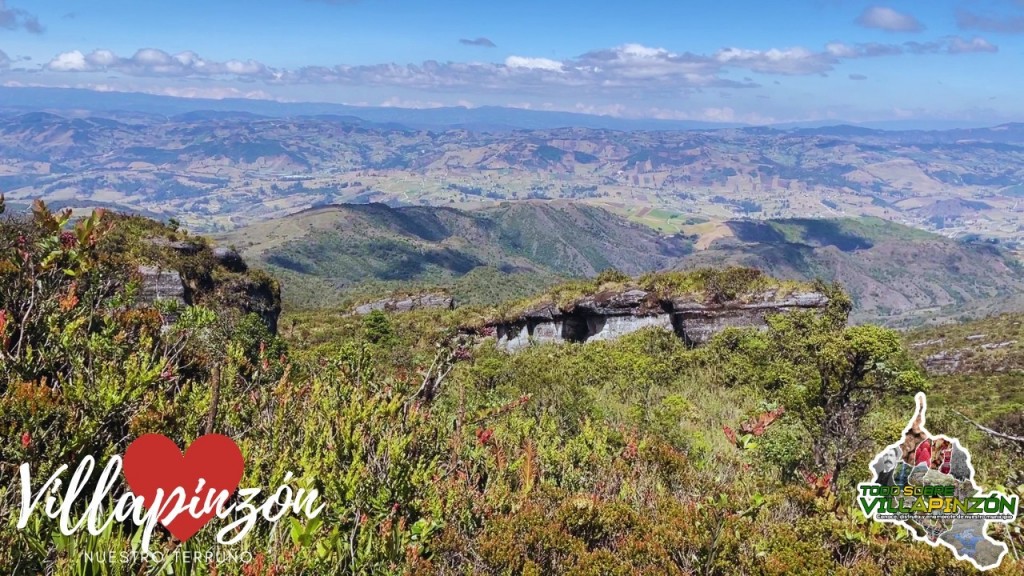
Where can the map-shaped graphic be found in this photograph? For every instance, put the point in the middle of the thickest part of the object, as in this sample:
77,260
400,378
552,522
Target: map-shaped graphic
952,510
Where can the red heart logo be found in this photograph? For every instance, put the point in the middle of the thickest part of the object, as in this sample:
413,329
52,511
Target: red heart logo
154,462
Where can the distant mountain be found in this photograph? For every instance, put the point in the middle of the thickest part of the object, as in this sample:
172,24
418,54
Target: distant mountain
70,100
217,169
341,248
896,275
488,118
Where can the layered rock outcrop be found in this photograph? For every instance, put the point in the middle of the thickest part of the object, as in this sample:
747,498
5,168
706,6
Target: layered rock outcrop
192,273
609,315
406,304
157,286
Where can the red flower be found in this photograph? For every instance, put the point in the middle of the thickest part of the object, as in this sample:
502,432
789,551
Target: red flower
26,440
484,436
68,239
730,434
168,373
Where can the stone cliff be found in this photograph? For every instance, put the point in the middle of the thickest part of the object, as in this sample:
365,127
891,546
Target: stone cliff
609,314
190,272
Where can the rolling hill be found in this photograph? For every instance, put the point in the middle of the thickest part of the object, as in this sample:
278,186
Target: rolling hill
343,248
896,275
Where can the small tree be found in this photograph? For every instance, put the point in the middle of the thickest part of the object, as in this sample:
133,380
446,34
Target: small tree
836,376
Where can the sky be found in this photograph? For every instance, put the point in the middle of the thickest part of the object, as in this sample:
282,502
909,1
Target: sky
743,61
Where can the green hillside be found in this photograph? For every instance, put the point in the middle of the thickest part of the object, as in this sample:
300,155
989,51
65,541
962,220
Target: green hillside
348,248
895,274
977,367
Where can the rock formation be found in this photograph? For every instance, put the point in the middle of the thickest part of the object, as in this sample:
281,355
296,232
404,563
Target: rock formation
399,304
158,286
608,315
192,273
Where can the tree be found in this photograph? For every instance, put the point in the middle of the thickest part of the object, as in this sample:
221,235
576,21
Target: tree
856,367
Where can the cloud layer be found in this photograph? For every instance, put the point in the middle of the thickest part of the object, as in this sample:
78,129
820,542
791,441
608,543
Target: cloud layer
888,19
15,18
154,62
619,70
481,41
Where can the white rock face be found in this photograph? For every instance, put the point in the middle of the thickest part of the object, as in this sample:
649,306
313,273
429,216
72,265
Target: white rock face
158,284
612,327
162,285
591,329
612,315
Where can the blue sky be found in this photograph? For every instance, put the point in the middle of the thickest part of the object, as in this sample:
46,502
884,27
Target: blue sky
744,61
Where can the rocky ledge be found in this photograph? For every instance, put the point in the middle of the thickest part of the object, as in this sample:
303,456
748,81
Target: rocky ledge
407,303
611,314
183,273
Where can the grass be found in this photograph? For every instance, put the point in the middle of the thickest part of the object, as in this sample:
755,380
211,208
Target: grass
987,383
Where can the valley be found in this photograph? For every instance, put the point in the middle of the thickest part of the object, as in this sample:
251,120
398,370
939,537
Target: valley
216,171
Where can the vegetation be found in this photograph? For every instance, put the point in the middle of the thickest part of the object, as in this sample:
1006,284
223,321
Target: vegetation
976,369
353,250
896,275
437,454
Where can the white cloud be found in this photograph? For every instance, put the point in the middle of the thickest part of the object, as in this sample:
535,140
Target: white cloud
632,63
952,45
155,62
153,57
959,45
775,61
396,102
888,19
840,50
533,63
206,92
102,58
73,61
614,110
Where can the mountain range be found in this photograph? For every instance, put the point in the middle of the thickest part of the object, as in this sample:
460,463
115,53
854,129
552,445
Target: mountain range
216,170
492,204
